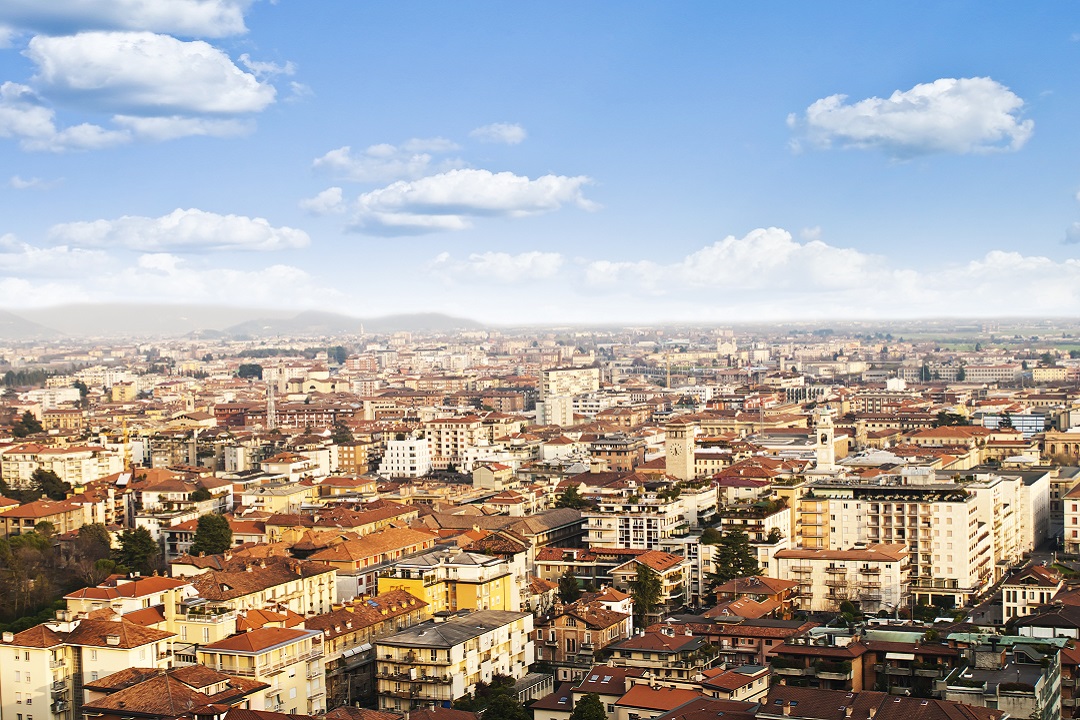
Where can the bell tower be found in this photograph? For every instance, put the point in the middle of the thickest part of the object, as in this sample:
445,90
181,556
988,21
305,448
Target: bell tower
680,445
825,447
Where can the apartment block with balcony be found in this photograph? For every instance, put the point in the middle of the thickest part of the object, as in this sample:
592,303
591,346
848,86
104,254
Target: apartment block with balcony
832,662
637,520
674,655
43,669
569,638
876,577
288,660
439,661
451,580
673,571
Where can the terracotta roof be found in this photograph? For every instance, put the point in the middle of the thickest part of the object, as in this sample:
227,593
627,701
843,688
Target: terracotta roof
608,680
561,699
655,559
39,636
441,713
643,696
96,633
365,613
257,640
757,585
821,704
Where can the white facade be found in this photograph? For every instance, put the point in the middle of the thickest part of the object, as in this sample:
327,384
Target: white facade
408,458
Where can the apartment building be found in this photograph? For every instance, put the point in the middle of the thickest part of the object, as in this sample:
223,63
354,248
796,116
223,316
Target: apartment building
360,561
450,580
558,386
63,515
673,572
349,635
288,660
876,577
1023,591
949,540
672,654
441,660
637,521
569,638
43,669
406,457
448,439
303,587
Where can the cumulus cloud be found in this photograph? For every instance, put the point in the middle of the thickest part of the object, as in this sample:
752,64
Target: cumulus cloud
266,69
448,201
325,203
499,267
24,116
19,258
385,162
965,115
192,18
180,231
505,133
145,73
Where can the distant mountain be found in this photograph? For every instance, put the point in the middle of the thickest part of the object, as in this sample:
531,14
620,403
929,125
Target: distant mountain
207,322
13,327
315,322
121,320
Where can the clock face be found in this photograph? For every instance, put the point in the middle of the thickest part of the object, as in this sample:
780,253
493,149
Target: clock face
824,439
676,450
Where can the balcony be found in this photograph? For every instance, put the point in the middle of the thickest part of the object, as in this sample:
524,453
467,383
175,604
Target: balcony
792,671
833,670
835,570
57,663
870,570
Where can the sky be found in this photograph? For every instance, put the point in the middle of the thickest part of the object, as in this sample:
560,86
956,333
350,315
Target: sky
555,162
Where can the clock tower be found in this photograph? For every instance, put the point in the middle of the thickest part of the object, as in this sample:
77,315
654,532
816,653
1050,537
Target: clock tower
680,450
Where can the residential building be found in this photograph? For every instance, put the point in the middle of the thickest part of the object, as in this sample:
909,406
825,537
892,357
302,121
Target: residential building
441,660
1023,591
449,580
288,660
875,577
569,638
672,571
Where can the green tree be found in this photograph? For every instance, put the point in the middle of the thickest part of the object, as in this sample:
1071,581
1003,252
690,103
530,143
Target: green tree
924,373
50,484
1006,421
93,544
646,590
774,536
734,558
250,370
200,495
589,708
342,434
26,425
212,536
961,374
569,590
337,354
138,550
504,706
571,498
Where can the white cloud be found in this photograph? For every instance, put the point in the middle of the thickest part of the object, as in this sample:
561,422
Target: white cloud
178,126
449,200
966,115
1072,234
181,231
505,133
385,162
145,73
24,117
7,36
325,203
810,233
499,267
266,69
205,18
35,183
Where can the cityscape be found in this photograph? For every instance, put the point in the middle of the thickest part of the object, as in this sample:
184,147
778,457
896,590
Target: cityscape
539,361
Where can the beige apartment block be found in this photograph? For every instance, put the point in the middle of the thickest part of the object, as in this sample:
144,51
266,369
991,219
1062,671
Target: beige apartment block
289,660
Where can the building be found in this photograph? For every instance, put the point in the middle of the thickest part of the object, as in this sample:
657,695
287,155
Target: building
288,660
406,457
440,660
875,577
558,386
1026,590
449,580
569,638
673,572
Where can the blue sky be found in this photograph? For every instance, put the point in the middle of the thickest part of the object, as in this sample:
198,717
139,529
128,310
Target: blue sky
543,162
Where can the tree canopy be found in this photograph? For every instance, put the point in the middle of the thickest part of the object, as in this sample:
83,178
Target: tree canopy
734,558
569,590
138,550
571,498
212,536
250,370
589,708
646,589
26,425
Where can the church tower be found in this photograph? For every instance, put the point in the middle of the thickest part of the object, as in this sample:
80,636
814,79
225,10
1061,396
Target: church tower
825,447
680,450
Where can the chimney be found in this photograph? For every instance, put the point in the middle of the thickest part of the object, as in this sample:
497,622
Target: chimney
787,708
113,640
872,712
847,711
